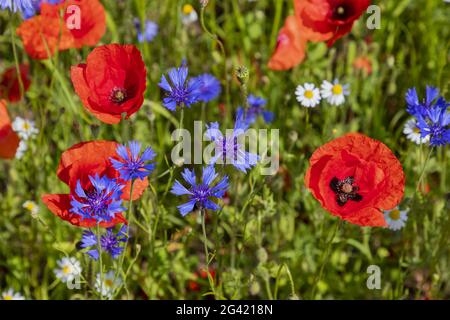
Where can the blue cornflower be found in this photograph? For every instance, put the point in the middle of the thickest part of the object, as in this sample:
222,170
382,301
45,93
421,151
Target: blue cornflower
149,33
200,194
432,98
109,242
228,149
17,5
180,92
256,108
209,87
435,124
101,202
132,165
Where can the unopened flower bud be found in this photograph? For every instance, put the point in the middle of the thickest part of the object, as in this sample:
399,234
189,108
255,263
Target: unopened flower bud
242,74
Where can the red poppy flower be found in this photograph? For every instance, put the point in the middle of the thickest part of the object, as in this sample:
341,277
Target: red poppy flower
331,18
9,140
112,82
354,177
290,50
77,164
92,21
292,42
10,86
45,33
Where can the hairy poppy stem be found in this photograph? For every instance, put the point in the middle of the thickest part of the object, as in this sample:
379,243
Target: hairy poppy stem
324,258
291,281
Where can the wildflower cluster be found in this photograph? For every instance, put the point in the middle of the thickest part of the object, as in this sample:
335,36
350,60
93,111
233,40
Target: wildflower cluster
90,90
183,92
431,118
228,148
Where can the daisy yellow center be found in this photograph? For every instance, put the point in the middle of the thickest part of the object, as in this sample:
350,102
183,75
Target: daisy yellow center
108,283
394,214
337,89
416,130
66,269
29,206
187,9
8,297
26,126
309,94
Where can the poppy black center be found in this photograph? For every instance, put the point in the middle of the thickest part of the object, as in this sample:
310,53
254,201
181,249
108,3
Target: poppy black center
345,190
341,12
118,95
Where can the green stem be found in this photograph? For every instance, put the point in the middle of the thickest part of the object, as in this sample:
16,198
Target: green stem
423,169
222,50
291,280
181,122
244,93
99,249
276,23
324,258
268,289
122,256
203,112
422,172
207,260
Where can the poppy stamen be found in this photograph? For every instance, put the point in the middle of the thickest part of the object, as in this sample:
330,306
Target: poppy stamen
342,12
345,190
118,95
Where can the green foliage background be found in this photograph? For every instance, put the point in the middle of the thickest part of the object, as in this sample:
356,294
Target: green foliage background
269,240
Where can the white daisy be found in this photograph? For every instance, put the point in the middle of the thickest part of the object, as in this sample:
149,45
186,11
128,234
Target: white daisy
110,283
69,268
11,295
188,15
396,218
334,92
308,95
21,149
413,132
24,128
32,207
